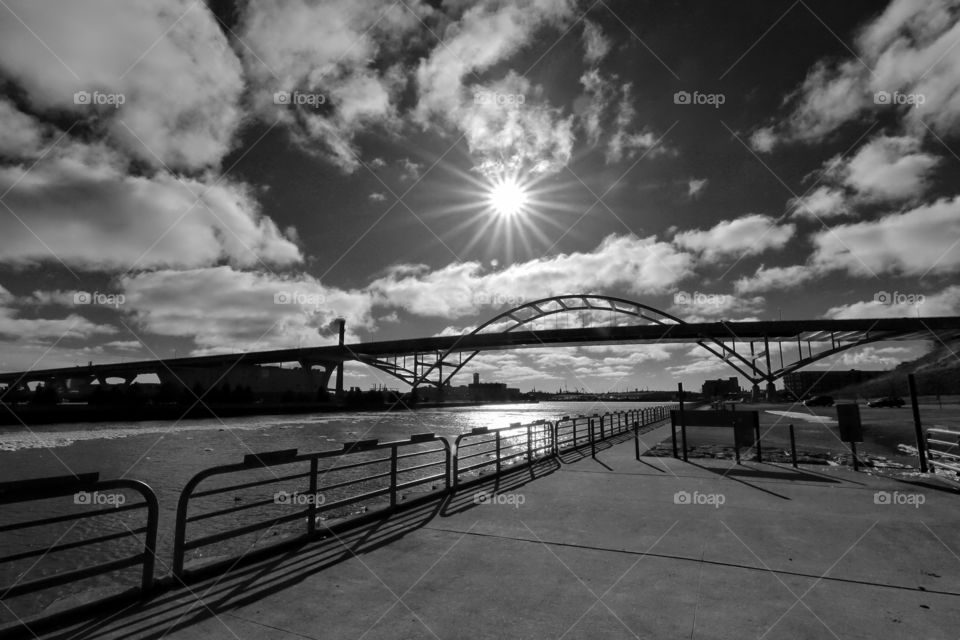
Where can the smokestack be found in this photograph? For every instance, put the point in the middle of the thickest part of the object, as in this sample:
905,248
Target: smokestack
476,378
342,324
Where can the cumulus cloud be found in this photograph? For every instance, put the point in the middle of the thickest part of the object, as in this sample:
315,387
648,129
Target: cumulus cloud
103,47
343,56
82,207
504,133
906,60
916,242
749,235
277,311
774,278
823,203
897,304
626,143
888,169
639,265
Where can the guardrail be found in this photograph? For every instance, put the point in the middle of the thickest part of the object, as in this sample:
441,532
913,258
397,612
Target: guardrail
483,447
87,490
303,495
943,449
313,484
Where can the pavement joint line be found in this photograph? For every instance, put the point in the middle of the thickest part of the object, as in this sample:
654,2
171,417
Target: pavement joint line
270,626
667,556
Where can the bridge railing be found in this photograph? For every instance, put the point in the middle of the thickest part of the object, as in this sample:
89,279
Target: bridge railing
129,544
943,449
291,495
484,450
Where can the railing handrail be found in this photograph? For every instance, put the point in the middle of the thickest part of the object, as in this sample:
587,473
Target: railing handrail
292,456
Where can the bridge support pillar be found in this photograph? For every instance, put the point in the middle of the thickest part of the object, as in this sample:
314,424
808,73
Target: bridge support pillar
771,391
755,393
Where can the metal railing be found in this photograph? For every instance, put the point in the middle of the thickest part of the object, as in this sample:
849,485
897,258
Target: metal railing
91,501
476,451
329,482
943,449
298,495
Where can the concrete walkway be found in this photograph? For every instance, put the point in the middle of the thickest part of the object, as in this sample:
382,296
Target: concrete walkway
606,548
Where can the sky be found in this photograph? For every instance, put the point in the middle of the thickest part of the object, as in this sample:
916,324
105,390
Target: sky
180,177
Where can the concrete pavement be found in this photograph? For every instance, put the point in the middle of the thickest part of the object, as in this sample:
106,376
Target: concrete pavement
609,547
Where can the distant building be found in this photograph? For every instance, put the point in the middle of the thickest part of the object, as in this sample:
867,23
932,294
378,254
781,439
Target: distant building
720,387
487,391
813,383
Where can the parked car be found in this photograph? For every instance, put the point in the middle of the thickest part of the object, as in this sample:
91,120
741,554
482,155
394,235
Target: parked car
889,401
819,401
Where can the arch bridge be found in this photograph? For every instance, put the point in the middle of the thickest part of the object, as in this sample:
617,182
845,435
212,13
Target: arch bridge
754,349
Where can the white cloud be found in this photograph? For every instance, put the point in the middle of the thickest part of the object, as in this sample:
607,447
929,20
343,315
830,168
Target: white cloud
902,304
82,207
907,54
749,235
187,122
888,168
763,140
774,278
640,265
918,241
596,45
823,203
628,144
346,51
277,312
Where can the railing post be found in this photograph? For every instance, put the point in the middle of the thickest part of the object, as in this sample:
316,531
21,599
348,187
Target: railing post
312,505
918,428
793,446
393,476
593,444
498,453
529,443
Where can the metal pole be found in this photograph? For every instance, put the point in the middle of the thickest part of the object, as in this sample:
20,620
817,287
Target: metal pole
498,453
312,505
393,477
853,450
759,453
793,446
593,445
917,426
683,421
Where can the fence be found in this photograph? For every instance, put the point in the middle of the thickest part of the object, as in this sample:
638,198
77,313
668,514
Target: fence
943,449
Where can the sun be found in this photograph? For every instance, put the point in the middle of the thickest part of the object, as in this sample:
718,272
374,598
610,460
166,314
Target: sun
508,198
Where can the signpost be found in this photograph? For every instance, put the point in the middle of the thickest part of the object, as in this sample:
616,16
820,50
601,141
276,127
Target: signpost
848,417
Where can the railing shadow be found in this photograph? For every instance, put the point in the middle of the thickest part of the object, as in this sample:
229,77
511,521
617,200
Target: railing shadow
185,605
463,496
569,456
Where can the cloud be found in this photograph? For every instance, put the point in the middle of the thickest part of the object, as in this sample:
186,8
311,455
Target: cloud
639,265
763,140
277,311
906,62
823,203
888,169
774,278
15,327
377,196
504,134
596,45
343,56
122,48
916,242
698,306
624,143
696,186
748,235
81,207
897,304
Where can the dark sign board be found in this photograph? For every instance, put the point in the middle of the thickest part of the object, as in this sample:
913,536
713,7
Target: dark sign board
744,423
848,416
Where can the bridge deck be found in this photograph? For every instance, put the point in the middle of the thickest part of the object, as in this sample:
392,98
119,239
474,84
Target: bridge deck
816,331
600,549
